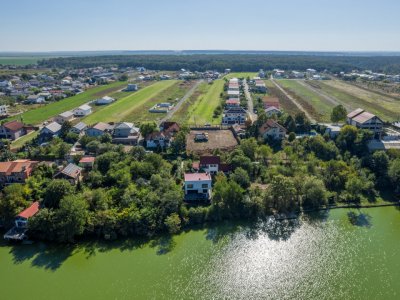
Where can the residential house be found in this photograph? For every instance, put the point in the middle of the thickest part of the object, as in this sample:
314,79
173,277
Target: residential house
197,186
64,117
126,133
3,110
259,86
365,120
271,129
16,171
99,129
87,162
232,103
271,101
82,111
12,130
49,131
234,115
233,94
272,110
35,99
21,220
78,128
71,172
132,87
333,130
104,101
211,164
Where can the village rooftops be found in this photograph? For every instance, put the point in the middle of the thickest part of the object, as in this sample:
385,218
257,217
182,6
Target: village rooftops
197,176
32,210
269,124
85,107
102,126
87,159
80,126
208,160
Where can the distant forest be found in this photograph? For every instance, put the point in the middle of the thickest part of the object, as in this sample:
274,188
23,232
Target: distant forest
235,62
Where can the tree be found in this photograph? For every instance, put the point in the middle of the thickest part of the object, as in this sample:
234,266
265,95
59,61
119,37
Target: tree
65,128
290,124
55,191
302,122
347,137
354,188
283,193
292,137
71,217
178,145
315,193
147,128
249,147
338,113
241,177
123,77
12,202
173,223
394,174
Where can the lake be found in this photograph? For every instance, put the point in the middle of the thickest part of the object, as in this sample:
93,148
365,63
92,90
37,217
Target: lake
341,254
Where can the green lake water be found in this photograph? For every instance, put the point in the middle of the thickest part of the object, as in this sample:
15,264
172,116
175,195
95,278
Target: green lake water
343,254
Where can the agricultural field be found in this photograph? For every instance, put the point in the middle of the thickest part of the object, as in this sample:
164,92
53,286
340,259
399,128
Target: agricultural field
206,103
128,108
384,106
24,139
19,60
45,112
287,105
172,95
317,106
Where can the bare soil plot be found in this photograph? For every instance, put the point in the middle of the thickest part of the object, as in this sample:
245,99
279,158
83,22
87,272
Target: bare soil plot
217,139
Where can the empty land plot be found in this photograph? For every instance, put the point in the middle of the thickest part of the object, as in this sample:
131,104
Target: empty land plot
287,105
317,106
240,75
204,108
122,109
183,114
217,139
385,107
172,95
43,113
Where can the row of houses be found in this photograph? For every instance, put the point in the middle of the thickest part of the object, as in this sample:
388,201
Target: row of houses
233,112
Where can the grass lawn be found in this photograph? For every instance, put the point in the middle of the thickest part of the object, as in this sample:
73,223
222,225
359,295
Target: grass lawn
45,112
387,108
241,75
317,106
123,109
26,138
172,95
206,104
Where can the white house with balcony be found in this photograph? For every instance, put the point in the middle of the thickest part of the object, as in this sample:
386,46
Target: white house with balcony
197,186
83,110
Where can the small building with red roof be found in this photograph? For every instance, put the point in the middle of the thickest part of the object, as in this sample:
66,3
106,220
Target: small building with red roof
16,171
272,129
197,186
87,162
21,220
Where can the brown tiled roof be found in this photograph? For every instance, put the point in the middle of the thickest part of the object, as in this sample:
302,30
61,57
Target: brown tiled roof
363,117
355,113
269,124
17,166
13,125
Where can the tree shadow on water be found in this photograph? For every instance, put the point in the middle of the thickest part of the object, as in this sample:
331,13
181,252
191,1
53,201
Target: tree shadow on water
359,219
49,257
163,244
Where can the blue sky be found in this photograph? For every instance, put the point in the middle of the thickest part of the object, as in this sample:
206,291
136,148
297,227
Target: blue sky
315,25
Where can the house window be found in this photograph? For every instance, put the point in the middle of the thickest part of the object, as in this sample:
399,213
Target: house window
204,185
189,186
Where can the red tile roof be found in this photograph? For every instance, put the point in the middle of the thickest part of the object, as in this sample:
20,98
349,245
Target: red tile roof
17,166
13,125
88,159
197,176
355,113
30,211
269,124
